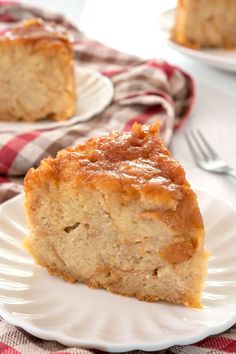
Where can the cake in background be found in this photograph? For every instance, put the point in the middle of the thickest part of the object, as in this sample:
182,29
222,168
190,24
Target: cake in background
36,73
118,213
205,24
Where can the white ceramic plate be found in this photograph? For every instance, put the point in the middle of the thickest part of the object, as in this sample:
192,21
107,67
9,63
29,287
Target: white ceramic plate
74,314
94,91
219,58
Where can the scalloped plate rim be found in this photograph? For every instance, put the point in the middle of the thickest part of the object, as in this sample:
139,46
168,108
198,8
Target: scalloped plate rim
117,347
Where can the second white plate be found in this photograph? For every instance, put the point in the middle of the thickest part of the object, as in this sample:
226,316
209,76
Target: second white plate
74,314
218,58
94,91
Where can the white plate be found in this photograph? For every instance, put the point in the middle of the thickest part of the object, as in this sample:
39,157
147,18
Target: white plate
74,314
94,91
219,58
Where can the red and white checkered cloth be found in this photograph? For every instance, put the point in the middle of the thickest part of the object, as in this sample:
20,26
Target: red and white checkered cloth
144,92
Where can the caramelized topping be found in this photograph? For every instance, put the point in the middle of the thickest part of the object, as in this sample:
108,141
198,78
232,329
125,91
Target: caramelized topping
138,156
33,28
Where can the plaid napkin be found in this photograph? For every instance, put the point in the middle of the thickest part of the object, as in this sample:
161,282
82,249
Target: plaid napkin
144,92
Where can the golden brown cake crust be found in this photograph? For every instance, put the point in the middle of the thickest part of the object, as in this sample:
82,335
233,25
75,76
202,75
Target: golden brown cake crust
130,163
138,158
34,28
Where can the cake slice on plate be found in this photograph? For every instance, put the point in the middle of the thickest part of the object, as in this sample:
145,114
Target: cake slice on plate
36,73
117,213
201,23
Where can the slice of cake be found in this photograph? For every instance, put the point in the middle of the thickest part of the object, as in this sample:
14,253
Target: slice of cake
36,73
117,213
201,23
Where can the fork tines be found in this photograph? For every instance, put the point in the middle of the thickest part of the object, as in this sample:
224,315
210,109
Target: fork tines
199,146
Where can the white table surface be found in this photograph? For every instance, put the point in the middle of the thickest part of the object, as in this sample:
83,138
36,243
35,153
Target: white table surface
132,26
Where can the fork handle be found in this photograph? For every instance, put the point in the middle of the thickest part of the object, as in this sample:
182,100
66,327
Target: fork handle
232,173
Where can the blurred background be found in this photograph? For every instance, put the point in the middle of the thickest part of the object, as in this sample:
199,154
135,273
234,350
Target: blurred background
134,23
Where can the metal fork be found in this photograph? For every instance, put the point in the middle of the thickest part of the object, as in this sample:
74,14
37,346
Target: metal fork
205,156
